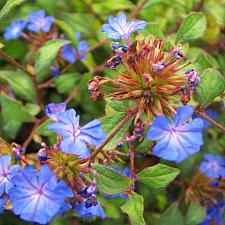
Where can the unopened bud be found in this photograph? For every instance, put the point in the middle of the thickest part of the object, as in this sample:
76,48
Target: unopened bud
17,150
193,79
42,153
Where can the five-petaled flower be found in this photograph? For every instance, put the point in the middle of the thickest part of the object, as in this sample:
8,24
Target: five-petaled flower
14,30
179,139
213,166
37,21
118,27
7,172
37,196
75,138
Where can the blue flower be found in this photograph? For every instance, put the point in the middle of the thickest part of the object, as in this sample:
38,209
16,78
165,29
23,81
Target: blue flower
39,22
118,27
77,35
14,30
68,53
179,139
37,196
88,191
3,201
213,167
82,47
214,213
7,173
55,71
90,207
52,108
64,208
75,139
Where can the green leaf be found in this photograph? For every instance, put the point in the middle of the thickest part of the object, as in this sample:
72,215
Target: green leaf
33,109
75,22
109,123
14,110
203,61
134,207
66,83
9,128
107,6
172,216
43,130
119,106
211,85
153,29
21,84
193,27
158,176
48,6
68,31
111,207
109,181
45,57
9,5
195,214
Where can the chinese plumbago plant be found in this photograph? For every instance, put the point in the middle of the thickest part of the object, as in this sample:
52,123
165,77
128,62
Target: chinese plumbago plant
140,133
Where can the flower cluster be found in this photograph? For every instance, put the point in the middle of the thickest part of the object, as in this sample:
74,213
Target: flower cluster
40,30
36,22
153,81
149,76
214,214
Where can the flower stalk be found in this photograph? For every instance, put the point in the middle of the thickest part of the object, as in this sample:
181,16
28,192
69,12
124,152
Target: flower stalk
210,120
129,115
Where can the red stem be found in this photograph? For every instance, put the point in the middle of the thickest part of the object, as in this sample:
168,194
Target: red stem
210,120
30,137
129,115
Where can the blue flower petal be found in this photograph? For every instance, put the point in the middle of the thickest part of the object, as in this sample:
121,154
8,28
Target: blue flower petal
179,139
182,115
118,27
158,129
37,196
68,53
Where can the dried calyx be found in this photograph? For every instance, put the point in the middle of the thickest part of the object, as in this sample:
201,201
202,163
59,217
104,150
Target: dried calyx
149,76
